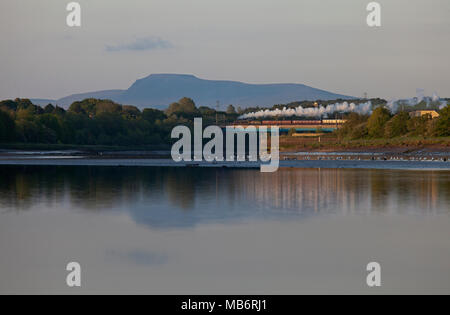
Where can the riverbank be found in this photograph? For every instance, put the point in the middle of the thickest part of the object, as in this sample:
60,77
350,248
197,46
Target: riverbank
331,143
327,148
301,161
84,148
288,144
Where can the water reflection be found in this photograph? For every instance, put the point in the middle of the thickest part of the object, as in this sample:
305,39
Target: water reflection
166,197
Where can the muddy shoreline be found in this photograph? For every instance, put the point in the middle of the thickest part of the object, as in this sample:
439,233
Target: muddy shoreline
368,159
398,153
401,154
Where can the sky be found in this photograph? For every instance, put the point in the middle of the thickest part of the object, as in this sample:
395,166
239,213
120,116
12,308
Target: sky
325,44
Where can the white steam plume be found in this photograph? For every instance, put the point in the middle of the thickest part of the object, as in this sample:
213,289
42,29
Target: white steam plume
396,105
321,111
420,95
435,97
364,108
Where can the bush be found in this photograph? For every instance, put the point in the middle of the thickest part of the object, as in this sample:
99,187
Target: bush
442,126
397,126
183,108
354,120
359,131
417,126
377,122
7,127
231,110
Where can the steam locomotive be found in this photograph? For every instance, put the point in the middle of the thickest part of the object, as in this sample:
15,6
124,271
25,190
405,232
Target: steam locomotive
289,122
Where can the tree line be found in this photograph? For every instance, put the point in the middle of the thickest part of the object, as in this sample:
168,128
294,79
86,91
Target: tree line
100,122
384,124
104,122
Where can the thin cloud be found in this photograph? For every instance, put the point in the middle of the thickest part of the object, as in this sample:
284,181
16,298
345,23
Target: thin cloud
141,44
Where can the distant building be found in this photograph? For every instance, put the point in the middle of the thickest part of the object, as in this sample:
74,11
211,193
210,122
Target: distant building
420,113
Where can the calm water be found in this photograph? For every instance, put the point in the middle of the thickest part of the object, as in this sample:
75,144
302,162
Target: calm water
194,231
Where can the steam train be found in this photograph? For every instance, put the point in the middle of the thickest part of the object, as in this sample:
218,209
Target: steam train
289,122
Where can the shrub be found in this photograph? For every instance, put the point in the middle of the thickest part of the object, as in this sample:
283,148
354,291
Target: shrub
442,126
377,122
417,126
7,127
397,126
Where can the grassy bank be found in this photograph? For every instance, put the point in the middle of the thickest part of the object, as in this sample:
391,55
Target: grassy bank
289,144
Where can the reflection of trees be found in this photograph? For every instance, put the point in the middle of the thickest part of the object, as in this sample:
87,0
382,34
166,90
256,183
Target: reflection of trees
180,187
305,190
344,190
20,187
86,187
184,186
102,187
210,191
426,191
380,189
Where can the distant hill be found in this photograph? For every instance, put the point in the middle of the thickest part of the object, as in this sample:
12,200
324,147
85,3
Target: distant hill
159,90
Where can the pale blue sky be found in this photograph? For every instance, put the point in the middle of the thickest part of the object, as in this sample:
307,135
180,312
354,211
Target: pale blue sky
325,44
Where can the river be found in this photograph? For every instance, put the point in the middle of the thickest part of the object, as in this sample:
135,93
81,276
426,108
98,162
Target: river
164,230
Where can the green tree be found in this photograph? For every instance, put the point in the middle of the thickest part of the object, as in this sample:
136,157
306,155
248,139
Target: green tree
397,126
107,106
442,127
231,110
7,126
377,122
49,109
28,131
359,131
355,126
59,111
183,108
173,109
25,103
8,105
152,115
187,105
417,126
130,112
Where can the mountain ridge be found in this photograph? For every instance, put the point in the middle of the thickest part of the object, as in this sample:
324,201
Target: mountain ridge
162,89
